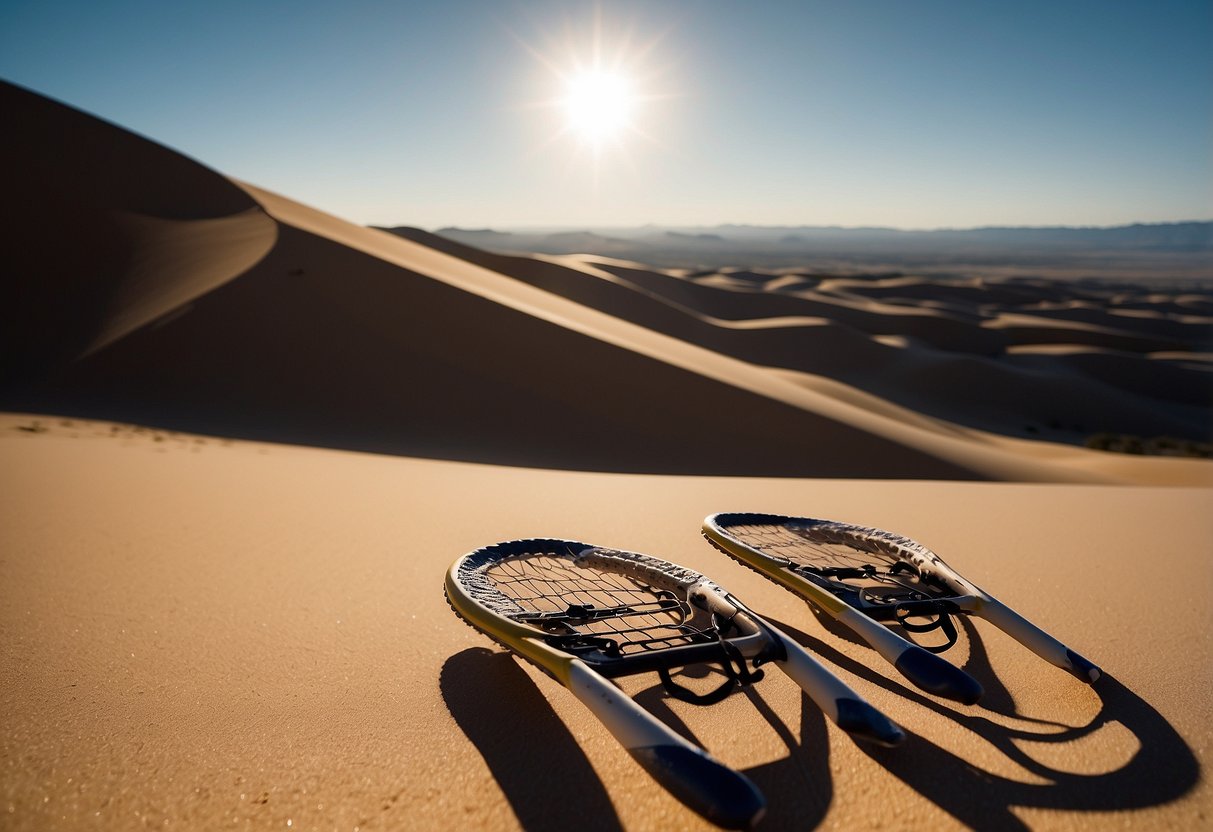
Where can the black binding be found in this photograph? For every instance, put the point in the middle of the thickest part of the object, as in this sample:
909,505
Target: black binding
731,661
883,606
943,621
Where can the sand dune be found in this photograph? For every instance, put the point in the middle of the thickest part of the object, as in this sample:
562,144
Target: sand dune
1030,329
976,384
1191,330
930,326
226,309
355,338
109,231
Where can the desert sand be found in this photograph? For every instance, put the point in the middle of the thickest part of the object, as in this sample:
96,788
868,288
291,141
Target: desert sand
238,635
245,439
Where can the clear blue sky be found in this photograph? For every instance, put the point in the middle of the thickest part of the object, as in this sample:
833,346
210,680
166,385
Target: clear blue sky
911,114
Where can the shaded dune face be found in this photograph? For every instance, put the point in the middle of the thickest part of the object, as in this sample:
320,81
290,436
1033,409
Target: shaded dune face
1028,357
108,232
148,288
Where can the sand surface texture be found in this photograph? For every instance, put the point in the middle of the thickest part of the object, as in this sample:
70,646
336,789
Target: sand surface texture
205,623
234,635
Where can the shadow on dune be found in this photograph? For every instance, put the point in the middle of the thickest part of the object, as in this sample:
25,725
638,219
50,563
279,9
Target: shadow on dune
1161,770
541,769
798,787
92,239
996,696
531,753
513,726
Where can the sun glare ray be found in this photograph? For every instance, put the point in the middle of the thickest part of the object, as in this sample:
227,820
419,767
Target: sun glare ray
601,94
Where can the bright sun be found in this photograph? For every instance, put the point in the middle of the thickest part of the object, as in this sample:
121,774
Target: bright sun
601,91
598,105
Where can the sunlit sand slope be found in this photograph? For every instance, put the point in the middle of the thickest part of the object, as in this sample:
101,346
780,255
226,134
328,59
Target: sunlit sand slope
208,634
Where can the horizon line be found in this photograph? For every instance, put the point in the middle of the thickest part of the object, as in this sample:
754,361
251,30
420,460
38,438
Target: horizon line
832,227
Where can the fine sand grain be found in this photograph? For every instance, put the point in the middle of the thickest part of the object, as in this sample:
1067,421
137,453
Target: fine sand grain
238,635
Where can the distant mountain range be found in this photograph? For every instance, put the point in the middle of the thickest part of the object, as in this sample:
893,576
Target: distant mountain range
1179,249
1175,236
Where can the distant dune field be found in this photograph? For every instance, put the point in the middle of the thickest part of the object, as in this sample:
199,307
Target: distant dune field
1168,252
1052,359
